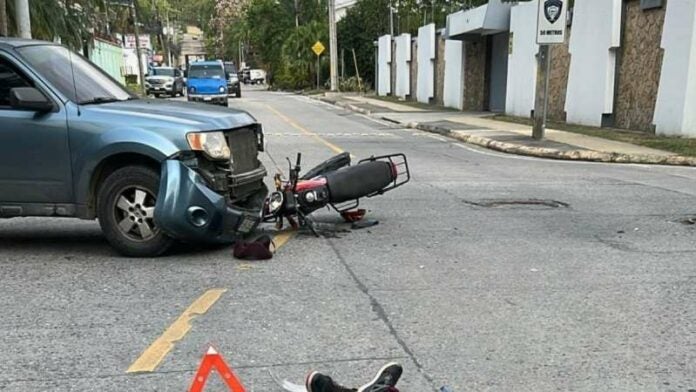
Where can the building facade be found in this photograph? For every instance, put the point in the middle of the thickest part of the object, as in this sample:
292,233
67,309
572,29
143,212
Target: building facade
627,64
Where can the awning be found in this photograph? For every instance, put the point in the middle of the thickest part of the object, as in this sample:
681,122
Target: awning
491,18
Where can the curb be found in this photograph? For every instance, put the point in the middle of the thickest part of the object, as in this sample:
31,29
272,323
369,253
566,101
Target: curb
550,153
539,152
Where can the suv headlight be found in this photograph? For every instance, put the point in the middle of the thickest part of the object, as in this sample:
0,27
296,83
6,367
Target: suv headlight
213,144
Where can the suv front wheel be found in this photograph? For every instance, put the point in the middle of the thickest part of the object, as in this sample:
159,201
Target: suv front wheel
126,206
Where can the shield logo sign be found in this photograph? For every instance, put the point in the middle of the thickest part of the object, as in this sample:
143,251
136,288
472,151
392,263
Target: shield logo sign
552,10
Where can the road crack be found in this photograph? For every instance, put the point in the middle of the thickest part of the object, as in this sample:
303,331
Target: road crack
378,309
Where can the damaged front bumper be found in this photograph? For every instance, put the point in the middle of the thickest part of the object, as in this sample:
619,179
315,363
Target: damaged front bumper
188,209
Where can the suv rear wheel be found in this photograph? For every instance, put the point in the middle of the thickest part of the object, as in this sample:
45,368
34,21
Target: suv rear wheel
126,206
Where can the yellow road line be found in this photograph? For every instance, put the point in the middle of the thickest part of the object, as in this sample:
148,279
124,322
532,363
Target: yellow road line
282,238
153,355
306,131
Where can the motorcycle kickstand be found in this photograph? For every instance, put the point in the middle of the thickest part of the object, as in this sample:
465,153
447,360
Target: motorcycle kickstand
307,221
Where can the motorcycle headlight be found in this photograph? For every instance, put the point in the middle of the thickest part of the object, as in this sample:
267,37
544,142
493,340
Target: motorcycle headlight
213,144
275,202
222,89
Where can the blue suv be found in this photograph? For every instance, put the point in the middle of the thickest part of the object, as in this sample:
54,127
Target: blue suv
207,82
75,143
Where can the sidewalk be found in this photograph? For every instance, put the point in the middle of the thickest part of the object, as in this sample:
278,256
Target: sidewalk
479,129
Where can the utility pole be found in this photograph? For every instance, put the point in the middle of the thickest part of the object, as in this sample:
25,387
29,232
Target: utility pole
3,19
23,18
333,45
297,15
138,52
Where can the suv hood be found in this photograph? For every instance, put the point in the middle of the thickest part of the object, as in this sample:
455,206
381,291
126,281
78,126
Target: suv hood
170,116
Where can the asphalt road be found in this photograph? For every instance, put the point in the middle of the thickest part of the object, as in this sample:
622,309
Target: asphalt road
487,272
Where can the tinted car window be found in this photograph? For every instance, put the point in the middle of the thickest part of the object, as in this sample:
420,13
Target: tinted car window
163,71
10,78
206,71
59,66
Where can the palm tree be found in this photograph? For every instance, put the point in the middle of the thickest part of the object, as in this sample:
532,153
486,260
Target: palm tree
70,21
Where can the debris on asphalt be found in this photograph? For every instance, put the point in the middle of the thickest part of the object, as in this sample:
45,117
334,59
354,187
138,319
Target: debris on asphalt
363,224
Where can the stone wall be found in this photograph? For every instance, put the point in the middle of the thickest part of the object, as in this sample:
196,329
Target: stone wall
414,70
558,79
639,66
440,70
475,63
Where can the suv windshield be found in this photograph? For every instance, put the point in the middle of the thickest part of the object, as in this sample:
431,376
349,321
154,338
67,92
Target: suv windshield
89,84
206,72
163,72
230,69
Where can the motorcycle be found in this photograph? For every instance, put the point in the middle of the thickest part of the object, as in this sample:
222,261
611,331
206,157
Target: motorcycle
335,184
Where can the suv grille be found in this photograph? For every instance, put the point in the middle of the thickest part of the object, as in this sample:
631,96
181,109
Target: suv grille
244,149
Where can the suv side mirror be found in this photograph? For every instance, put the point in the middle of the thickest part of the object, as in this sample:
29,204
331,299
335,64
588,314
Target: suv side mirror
29,98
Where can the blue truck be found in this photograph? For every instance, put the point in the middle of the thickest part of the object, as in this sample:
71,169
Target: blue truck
207,82
75,143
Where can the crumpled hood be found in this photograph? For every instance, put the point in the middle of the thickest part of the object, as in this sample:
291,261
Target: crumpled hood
168,116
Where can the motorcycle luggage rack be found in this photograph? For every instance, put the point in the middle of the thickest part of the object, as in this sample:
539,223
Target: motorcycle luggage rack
402,174
346,206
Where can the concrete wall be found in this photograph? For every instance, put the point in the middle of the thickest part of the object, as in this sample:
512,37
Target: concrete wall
675,112
426,63
402,87
109,57
639,64
522,64
596,35
384,60
454,76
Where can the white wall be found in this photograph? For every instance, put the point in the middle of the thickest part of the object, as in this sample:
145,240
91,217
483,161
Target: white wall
454,74
426,63
384,65
596,35
522,64
403,66
675,109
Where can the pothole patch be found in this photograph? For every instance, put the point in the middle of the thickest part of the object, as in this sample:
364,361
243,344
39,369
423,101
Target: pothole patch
519,203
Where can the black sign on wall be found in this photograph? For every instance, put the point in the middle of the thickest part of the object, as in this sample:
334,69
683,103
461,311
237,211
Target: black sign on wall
649,4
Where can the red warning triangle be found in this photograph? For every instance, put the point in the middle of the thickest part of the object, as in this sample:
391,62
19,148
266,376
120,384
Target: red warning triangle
213,360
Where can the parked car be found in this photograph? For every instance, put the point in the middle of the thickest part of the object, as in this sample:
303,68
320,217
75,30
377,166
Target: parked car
76,143
233,84
257,76
207,82
164,80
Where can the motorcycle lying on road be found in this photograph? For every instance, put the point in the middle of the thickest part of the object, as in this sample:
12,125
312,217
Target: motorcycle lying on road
336,184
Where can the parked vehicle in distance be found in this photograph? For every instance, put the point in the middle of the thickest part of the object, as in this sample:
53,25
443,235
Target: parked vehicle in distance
234,86
257,76
151,171
244,75
164,80
207,82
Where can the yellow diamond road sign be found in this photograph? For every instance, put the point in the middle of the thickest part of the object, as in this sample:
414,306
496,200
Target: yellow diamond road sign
318,48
